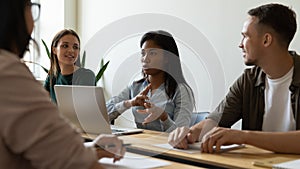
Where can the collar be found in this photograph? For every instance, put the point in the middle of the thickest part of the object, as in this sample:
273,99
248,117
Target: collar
296,73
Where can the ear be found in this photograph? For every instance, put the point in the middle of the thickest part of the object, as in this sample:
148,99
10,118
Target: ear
267,40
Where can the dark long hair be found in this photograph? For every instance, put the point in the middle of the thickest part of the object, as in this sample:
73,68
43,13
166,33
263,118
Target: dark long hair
54,67
14,35
173,71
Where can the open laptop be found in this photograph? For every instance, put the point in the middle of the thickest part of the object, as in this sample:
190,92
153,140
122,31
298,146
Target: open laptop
85,107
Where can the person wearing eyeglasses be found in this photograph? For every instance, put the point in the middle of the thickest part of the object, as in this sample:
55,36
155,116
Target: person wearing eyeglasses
64,55
33,134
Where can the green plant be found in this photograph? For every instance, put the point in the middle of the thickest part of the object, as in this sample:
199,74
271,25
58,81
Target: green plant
82,63
45,69
47,49
101,71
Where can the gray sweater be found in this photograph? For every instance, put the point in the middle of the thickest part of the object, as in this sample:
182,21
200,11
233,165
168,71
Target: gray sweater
179,108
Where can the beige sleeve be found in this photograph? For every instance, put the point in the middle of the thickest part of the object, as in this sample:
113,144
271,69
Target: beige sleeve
30,125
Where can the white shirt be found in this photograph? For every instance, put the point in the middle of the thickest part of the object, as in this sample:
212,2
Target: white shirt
278,110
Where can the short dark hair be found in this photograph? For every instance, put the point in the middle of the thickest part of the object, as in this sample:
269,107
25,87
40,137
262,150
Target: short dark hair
279,17
14,35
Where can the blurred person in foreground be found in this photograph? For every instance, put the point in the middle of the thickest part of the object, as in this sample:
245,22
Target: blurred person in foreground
33,134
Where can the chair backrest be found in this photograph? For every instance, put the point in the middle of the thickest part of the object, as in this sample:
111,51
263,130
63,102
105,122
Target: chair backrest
197,117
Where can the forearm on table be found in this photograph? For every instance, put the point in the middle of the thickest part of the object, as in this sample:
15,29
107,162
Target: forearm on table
208,124
201,128
281,142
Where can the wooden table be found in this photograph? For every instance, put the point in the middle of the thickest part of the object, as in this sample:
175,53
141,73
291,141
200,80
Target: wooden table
173,165
143,143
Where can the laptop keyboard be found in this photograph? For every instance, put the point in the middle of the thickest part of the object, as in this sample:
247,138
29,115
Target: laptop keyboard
117,130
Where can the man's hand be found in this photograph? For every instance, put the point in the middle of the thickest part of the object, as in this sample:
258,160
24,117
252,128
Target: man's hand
219,136
182,136
178,137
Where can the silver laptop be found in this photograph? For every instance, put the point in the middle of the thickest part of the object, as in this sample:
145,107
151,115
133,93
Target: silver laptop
85,107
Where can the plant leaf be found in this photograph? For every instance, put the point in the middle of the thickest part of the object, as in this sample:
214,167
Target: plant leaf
45,69
83,60
47,49
101,71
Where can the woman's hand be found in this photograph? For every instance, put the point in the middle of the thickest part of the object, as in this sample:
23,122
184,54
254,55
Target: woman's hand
109,146
154,113
139,99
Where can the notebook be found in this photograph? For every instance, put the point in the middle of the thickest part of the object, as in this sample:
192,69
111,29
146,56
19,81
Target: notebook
85,107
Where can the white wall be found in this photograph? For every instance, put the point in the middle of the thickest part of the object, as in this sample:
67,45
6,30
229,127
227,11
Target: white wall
50,22
207,33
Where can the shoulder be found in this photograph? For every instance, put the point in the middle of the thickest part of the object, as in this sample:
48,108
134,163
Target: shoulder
253,76
84,71
252,73
296,58
139,82
137,85
182,86
183,89
10,64
8,58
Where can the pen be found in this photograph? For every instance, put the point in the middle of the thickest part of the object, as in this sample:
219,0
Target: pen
110,146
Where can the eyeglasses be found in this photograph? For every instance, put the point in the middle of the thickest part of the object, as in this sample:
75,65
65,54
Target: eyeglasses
35,10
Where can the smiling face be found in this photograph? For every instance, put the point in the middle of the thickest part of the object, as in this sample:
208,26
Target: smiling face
67,50
152,58
252,42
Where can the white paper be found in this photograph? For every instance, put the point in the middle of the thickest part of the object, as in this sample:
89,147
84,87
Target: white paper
134,161
294,164
195,148
169,147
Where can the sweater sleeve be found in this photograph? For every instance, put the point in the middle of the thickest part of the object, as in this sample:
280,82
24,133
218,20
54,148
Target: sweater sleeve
183,109
229,110
115,106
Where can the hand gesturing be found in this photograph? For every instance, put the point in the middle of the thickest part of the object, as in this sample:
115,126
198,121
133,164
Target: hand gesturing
139,99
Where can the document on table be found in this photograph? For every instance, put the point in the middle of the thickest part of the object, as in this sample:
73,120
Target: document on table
293,164
134,161
278,163
195,148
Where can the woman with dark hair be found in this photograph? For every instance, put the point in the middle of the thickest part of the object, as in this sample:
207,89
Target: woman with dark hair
65,49
33,133
162,100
